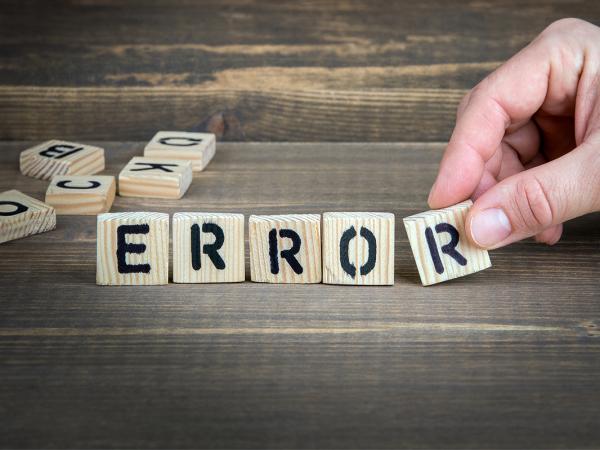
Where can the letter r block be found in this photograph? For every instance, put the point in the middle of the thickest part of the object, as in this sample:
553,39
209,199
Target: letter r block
358,248
440,247
285,248
208,248
132,249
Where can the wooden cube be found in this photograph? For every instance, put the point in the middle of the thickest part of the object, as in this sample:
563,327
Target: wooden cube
286,248
132,248
156,178
441,249
199,148
358,248
21,215
61,158
208,248
81,194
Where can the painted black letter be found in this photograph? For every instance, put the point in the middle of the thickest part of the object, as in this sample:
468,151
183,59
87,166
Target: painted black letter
449,249
61,150
347,236
21,208
168,141
372,242
123,248
153,166
211,250
288,255
63,184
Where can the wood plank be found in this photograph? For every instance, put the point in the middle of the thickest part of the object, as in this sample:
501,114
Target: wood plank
507,357
355,70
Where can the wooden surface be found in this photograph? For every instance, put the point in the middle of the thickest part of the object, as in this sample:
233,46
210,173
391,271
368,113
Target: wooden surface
507,357
343,70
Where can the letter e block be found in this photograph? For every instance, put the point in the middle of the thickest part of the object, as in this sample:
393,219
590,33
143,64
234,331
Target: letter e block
199,148
81,194
61,158
21,215
286,248
208,248
440,247
358,248
155,178
132,248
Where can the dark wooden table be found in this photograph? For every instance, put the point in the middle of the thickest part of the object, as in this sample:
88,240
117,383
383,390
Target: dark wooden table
508,357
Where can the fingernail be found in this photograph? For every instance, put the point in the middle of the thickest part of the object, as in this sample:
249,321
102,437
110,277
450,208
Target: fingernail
490,227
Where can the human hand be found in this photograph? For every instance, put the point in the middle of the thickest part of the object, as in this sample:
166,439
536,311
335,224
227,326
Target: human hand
526,145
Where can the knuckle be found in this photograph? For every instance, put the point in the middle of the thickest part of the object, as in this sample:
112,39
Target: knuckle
532,205
565,25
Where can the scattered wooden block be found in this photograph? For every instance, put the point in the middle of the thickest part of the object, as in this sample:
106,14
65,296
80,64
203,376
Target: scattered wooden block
21,215
199,148
285,248
208,248
81,194
132,248
358,248
61,158
440,247
156,178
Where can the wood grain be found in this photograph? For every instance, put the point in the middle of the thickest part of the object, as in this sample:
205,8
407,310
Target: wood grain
22,215
505,358
341,70
199,148
81,194
155,178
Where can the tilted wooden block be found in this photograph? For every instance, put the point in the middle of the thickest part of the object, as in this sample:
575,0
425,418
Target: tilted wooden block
440,247
199,148
61,158
132,248
156,178
358,248
208,248
81,194
21,215
286,248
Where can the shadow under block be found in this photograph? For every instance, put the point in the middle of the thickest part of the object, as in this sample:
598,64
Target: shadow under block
441,249
21,215
155,178
358,248
208,248
132,248
81,194
61,158
285,248
199,148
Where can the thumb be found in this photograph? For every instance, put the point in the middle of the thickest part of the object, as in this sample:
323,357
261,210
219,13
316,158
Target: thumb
534,200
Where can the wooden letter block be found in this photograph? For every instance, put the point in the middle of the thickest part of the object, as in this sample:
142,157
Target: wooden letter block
81,194
440,247
285,249
199,148
132,248
61,158
156,178
358,248
208,248
21,215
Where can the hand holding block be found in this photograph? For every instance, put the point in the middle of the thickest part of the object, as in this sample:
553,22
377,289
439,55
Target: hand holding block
132,249
81,194
440,247
156,178
208,248
358,248
286,248
21,215
61,158
199,148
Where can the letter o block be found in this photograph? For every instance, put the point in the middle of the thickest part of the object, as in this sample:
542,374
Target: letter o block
208,248
132,249
21,215
441,249
285,248
358,248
